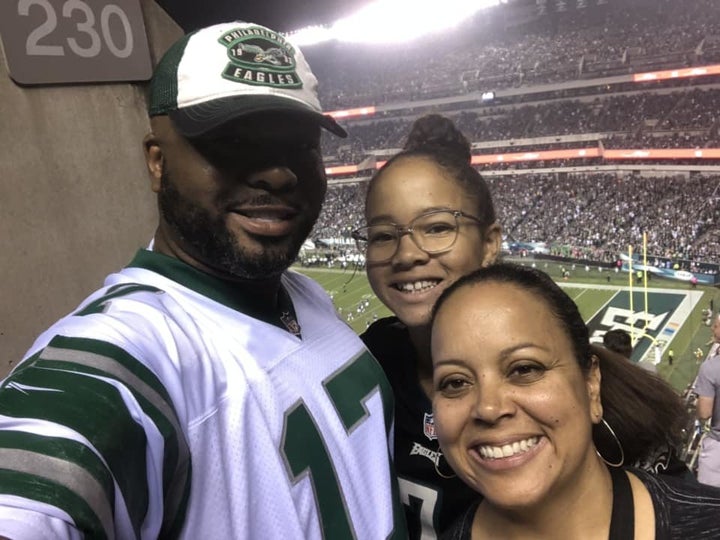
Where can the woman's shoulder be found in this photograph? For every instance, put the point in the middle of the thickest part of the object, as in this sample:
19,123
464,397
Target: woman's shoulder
685,507
675,486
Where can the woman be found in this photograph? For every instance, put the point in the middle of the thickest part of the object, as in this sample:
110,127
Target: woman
430,220
517,399
447,228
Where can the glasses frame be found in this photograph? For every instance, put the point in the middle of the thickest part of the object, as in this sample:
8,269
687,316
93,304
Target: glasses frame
409,229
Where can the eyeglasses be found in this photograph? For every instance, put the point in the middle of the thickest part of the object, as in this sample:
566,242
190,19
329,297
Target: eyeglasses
432,232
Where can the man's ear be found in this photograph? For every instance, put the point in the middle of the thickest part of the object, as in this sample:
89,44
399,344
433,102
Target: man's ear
154,160
492,243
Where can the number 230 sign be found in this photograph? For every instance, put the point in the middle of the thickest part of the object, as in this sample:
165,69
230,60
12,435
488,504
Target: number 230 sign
74,41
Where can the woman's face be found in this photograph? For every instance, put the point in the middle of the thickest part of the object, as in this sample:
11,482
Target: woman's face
410,282
513,409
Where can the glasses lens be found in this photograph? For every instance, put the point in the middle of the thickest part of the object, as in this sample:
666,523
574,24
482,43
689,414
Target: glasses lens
380,241
436,231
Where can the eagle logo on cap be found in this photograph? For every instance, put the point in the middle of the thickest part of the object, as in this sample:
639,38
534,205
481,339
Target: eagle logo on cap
274,56
261,57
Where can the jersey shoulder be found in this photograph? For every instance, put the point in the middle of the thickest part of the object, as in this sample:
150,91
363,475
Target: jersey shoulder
688,509
306,289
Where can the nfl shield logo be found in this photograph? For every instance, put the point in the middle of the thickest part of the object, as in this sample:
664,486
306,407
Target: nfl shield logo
429,426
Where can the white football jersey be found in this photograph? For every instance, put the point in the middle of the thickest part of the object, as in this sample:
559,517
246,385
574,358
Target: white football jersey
158,409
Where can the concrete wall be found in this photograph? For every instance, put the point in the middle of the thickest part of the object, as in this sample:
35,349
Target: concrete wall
75,199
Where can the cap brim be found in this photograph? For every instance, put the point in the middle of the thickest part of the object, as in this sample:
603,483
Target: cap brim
204,118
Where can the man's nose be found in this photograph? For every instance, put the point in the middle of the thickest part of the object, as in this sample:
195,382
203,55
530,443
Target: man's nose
273,178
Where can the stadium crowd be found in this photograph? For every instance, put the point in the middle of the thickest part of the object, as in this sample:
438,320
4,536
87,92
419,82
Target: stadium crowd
679,119
580,215
494,51
588,216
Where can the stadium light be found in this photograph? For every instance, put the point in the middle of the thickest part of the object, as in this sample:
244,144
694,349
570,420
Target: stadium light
311,35
394,21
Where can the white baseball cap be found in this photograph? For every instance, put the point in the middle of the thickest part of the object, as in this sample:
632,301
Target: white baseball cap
218,74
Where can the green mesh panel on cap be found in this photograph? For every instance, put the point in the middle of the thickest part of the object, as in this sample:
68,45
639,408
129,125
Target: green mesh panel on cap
164,84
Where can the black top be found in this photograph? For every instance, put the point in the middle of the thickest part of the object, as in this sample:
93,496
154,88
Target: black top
430,500
683,510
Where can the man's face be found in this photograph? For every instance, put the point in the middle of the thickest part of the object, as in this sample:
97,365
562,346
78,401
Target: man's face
242,203
716,329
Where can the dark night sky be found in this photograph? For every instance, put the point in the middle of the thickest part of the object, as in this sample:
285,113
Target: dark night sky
281,15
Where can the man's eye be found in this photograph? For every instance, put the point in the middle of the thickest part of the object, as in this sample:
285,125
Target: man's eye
307,156
221,149
308,147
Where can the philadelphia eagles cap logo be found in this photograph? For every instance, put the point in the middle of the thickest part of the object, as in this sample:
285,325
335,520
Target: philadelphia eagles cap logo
214,76
260,57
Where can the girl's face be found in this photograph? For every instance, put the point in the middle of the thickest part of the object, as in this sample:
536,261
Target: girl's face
410,282
513,409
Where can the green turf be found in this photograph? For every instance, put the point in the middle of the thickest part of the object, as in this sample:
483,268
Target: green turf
350,290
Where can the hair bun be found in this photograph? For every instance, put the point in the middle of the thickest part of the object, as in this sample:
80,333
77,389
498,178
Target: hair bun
438,133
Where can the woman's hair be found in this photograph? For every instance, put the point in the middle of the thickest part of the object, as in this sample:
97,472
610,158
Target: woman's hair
436,138
643,410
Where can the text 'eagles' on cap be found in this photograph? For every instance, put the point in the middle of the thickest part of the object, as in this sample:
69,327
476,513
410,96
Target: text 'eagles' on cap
223,72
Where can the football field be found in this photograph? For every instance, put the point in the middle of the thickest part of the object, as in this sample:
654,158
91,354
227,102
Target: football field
667,315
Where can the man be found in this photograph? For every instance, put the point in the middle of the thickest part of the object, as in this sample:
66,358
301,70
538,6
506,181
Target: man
618,340
707,387
205,391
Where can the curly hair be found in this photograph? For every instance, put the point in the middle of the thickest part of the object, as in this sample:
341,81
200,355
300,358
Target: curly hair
436,138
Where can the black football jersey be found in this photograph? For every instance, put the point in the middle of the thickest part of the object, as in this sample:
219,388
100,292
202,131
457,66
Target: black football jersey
431,501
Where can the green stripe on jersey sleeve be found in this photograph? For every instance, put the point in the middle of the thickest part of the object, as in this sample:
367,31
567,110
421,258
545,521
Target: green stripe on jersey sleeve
66,465
83,355
116,291
119,355
107,360
94,409
64,453
40,489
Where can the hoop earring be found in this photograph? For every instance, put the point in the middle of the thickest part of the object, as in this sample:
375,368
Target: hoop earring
437,468
617,442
